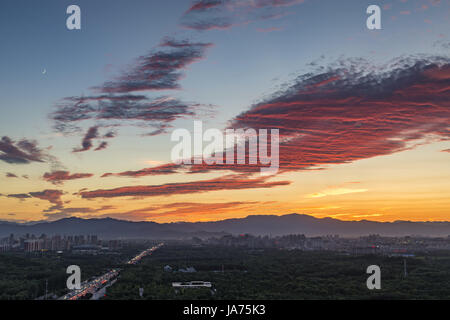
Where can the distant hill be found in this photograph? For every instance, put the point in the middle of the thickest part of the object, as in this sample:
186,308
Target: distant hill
108,228
311,226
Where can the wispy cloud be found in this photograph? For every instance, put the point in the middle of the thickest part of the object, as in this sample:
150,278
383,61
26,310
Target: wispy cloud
206,15
160,70
159,170
180,210
53,196
117,104
21,152
272,29
50,195
10,175
19,196
58,177
367,215
231,182
334,192
86,144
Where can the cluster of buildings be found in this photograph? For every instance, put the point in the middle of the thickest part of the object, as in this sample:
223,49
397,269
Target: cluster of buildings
372,244
77,243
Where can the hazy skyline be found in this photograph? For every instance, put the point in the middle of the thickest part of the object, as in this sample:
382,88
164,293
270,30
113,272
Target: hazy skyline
86,115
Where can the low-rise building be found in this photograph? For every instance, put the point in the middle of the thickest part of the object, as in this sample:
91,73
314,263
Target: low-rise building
192,284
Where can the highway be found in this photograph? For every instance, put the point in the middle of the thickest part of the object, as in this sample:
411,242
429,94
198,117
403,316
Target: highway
143,254
101,293
91,286
97,286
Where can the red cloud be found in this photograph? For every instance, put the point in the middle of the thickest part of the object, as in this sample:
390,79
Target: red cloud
160,170
346,114
232,182
57,177
180,209
204,4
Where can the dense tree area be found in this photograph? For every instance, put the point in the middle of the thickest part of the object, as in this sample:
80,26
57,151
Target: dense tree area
24,275
238,273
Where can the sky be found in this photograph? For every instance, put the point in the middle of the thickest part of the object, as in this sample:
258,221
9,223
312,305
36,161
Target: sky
87,115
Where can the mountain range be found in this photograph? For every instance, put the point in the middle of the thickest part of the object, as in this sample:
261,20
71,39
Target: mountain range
272,225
